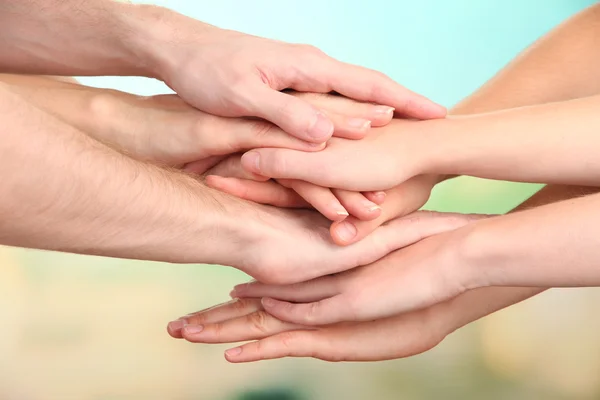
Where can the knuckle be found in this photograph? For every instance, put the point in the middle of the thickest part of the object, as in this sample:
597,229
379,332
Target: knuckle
261,129
309,49
288,339
258,321
241,305
103,105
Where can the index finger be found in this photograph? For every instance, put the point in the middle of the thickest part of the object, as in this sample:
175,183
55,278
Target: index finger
364,84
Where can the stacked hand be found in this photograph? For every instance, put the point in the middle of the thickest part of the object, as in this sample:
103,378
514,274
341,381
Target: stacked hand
165,130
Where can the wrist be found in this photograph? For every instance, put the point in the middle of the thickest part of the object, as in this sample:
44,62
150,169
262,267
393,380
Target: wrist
442,152
156,34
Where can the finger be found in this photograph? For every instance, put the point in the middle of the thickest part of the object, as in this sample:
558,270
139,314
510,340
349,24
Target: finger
256,325
321,198
201,166
348,127
231,167
303,292
327,311
299,343
259,192
309,167
357,204
293,115
384,339
376,197
364,84
221,312
340,105
399,201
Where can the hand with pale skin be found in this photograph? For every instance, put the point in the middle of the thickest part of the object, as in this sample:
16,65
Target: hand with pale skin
494,145
221,72
165,130
400,336
231,178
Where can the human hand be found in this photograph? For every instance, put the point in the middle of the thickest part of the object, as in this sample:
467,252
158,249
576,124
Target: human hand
386,157
409,196
400,336
287,246
245,319
232,74
165,130
412,278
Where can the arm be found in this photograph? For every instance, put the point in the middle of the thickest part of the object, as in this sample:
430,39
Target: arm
221,72
560,67
64,191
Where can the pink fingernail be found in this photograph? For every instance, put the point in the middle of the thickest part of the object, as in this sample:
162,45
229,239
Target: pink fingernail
234,352
346,231
370,206
385,110
193,329
359,123
379,195
321,128
252,159
177,325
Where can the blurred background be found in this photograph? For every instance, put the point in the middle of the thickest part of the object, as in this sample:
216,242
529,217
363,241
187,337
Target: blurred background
92,328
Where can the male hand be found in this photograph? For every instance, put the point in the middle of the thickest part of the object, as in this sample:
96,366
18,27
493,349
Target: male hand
233,74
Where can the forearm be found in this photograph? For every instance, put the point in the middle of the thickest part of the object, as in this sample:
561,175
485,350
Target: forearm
548,143
553,245
561,65
91,37
64,191
478,303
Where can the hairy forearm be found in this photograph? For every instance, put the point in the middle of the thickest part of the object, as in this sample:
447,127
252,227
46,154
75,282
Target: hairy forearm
64,191
90,37
561,65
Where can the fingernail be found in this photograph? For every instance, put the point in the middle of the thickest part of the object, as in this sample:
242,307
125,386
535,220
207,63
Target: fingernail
380,195
267,302
385,110
252,160
317,145
346,231
322,127
234,352
359,123
177,325
193,329
369,205
233,294
339,209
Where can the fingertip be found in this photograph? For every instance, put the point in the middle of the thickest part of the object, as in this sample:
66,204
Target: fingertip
321,128
174,328
251,161
376,197
343,233
382,115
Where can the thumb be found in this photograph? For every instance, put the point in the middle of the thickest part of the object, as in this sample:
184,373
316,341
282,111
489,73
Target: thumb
292,114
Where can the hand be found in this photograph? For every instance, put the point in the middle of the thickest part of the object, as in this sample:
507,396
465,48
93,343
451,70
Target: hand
166,130
412,278
386,157
287,246
229,177
232,74
245,319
